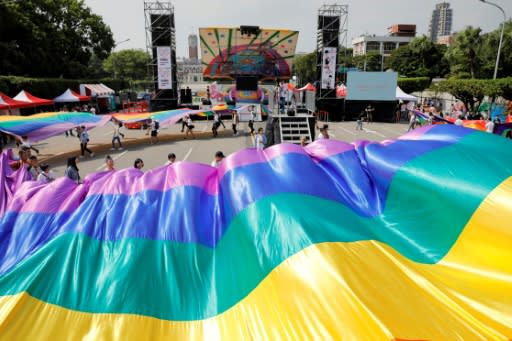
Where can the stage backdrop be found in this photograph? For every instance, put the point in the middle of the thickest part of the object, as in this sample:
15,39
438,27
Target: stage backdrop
225,53
371,86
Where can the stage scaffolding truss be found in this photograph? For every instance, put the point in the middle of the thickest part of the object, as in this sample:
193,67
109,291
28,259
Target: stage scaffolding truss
160,31
332,34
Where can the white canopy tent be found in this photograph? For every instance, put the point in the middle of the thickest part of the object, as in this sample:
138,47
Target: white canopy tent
402,96
96,90
70,96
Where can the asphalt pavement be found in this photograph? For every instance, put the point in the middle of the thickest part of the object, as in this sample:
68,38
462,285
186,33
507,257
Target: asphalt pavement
201,149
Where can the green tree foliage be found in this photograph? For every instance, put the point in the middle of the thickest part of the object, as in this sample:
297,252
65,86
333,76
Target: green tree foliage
50,38
420,58
52,87
304,68
372,61
472,91
128,64
409,85
490,50
465,55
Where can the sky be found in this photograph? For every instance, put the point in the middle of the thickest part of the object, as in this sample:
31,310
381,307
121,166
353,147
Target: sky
126,17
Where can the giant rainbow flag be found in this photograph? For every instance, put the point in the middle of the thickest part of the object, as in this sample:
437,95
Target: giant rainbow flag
408,239
42,126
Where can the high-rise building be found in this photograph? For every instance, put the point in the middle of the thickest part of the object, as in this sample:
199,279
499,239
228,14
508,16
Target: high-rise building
193,47
441,22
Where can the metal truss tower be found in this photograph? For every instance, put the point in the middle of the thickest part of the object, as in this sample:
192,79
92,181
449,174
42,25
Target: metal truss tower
160,31
332,33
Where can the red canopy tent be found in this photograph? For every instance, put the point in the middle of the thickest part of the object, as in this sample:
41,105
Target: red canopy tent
341,91
27,97
7,102
308,87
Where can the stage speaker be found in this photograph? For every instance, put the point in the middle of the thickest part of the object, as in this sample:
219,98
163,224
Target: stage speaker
163,104
330,38
330,27
161,29
326,22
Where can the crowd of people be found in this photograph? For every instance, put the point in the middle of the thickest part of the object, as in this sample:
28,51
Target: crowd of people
43,173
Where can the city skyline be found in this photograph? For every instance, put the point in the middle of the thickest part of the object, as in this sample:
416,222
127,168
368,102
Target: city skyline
302,17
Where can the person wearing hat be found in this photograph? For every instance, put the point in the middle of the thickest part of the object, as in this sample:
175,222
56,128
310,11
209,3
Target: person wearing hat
219,156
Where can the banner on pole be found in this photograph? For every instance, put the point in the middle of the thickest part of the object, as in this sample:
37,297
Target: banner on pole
329,67
164,64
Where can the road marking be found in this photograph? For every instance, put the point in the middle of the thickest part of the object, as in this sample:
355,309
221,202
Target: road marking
374,132
114,158
348,131
188,154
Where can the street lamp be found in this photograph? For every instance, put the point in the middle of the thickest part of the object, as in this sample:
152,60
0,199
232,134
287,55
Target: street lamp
116,44
501,37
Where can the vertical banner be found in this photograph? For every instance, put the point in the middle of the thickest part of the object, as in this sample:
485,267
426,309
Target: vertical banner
163,55
329,67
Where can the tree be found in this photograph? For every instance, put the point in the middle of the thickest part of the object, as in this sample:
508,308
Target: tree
490,49
420,58
50,38
465,54
372,61
128,64
470,91
304,68
413,84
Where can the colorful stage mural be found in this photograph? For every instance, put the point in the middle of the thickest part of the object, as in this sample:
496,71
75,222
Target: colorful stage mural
226,52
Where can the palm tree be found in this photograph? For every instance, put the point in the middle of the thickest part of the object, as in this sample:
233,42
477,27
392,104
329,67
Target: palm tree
465,52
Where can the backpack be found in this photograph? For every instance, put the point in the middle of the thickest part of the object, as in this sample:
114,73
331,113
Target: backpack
157,125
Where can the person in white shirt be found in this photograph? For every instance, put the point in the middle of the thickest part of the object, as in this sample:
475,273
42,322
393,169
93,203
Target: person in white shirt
190,128
261,139
459,121
489,126
84,140
219,156
46,176
117,134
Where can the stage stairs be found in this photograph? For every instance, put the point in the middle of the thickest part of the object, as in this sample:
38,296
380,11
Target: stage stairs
292,128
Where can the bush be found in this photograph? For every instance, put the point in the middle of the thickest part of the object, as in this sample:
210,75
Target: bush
409,85
52,87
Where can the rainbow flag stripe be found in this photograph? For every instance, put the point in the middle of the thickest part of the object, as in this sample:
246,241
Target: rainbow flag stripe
407,239
42,126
